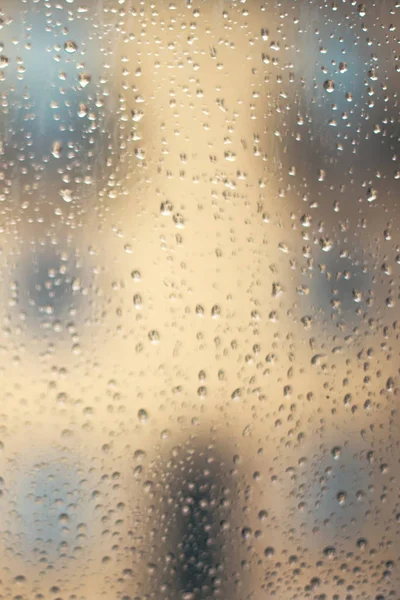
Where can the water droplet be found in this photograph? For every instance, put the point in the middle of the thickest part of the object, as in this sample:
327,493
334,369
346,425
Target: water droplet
199,310
246,533
84,79
137,115
137,301
216,311
179,221
236,394
66,195
362,543
330,552
154,337
306,220
136,276
70,47
143,415
166,208
56,149
329,86
326,244
362,10
371,195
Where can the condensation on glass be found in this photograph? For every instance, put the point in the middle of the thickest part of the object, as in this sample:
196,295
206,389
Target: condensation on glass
199,302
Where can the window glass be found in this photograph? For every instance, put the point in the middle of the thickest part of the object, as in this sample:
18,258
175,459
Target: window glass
199,263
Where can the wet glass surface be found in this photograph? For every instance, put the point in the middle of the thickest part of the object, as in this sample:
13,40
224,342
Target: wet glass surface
199,262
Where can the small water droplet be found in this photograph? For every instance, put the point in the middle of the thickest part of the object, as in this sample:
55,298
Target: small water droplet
66,195
361,9
136,276
236,395
166,208
330,552
84,79
154,337
56,149
371,195
70,47
329,86
326,244
143,415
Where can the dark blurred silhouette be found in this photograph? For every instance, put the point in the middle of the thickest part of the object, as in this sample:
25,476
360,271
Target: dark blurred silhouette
195,512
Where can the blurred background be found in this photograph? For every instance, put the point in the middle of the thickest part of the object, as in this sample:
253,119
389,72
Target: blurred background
199,261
